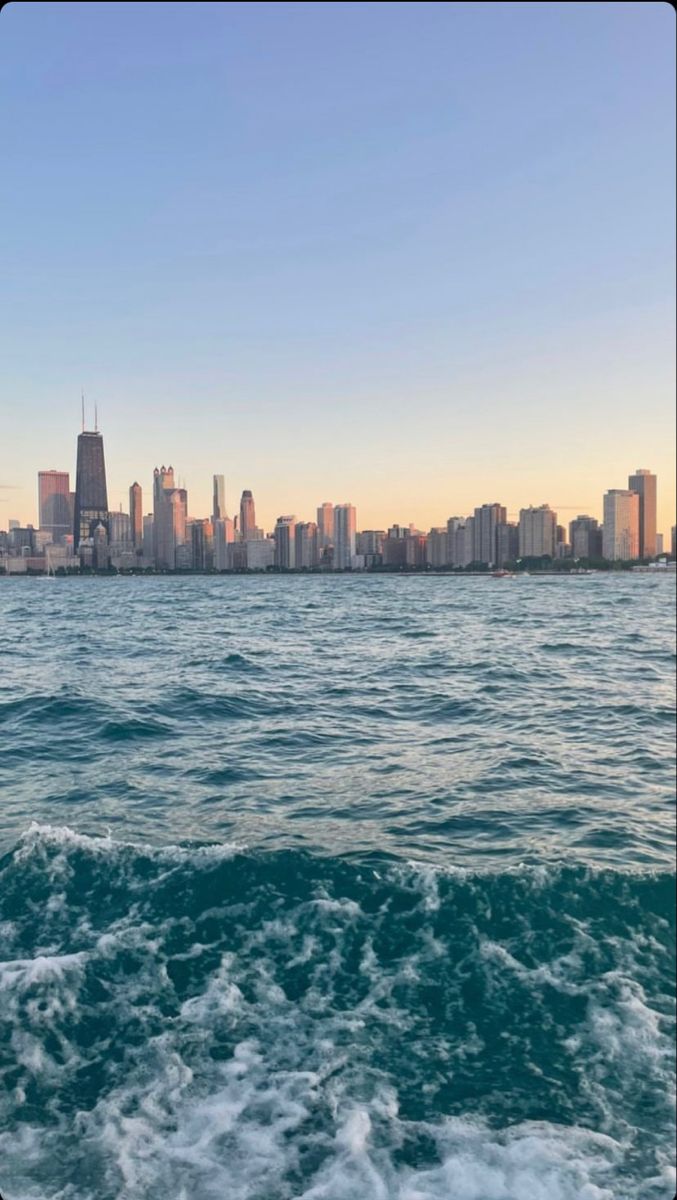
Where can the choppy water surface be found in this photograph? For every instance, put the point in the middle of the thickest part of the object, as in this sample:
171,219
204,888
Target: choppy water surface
337,888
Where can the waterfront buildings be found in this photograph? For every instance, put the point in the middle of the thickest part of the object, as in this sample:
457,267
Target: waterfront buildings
507,543
285,543
170,511
485,533
644,484
325,524
345,528
91,497
136,514
54,505
620,539
247,516
537,532
585,537
218,498
436,547
306,545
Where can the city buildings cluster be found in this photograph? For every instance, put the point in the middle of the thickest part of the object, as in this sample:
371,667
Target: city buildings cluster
78,532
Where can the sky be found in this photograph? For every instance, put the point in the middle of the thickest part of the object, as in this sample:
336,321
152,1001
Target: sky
413,256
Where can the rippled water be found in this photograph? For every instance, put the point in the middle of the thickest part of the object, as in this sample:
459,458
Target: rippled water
340,888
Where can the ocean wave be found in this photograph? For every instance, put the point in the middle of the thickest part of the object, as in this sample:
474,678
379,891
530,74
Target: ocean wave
222,1021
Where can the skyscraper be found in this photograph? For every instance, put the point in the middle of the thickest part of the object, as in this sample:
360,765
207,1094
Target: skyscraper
247,516
487,520
91,497
285,543
345,525
306,545
170,505
325,524
644,483
219,498
136,514
621,525
507,543
537,529
585,537
54,507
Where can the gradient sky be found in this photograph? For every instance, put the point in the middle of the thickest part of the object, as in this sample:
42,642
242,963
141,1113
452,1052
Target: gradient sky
413,256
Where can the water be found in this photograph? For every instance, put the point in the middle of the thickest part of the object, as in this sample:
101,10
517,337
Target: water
337,889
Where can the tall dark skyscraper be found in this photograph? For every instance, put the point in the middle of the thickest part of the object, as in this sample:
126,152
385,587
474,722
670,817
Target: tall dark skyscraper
91,498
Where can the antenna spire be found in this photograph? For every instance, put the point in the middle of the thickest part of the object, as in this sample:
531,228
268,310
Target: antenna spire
96,419
83,410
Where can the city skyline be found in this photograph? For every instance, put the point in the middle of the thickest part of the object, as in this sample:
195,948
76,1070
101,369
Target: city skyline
243,509
379,251
172,537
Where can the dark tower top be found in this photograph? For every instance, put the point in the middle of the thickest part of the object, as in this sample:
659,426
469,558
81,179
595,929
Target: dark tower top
91,498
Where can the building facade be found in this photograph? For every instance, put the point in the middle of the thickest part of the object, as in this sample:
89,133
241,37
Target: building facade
325,524
285,543
620,540
487,519
537,532
91,496
54,506
307,545
247,516
136,514
585,537
218,498
345,528
644,484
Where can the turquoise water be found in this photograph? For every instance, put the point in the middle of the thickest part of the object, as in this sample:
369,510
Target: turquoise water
337,888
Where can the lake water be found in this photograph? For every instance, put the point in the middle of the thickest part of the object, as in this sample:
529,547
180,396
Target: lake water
337,888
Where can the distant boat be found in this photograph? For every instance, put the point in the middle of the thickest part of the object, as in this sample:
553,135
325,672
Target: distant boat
502,574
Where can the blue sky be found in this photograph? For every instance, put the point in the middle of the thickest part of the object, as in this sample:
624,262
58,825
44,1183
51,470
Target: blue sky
415,256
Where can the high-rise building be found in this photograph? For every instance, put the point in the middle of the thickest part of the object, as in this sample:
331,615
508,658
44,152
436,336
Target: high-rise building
673,541
487,520
585,537
621,525
507,543
659,544
306,548
345,526
224,536
101,550
259,553
136,514
325,524
119,531
163,546
537,532
247,516
370,542
170,511
644,484
415,550
54,504
148,540
219,498
199,544
285,543
436,547
91,497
